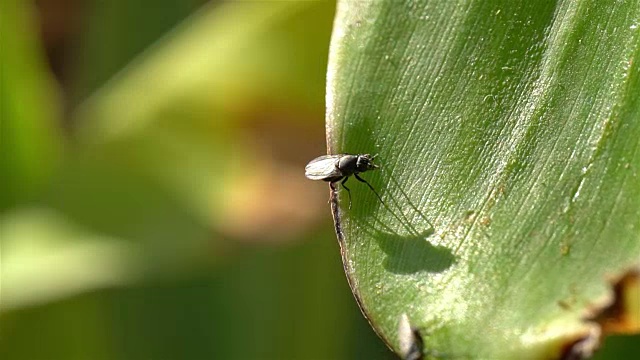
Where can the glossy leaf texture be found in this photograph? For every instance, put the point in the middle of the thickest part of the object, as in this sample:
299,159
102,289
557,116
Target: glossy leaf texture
514,128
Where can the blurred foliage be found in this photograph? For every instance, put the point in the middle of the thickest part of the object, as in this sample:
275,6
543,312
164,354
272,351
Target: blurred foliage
267,303
29,109
153,202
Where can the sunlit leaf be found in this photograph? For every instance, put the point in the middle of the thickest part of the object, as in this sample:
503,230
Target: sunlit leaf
514,128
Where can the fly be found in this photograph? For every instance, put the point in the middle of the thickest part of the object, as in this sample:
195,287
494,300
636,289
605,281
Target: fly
334,168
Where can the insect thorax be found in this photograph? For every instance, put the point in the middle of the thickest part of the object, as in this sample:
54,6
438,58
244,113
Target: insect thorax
348,164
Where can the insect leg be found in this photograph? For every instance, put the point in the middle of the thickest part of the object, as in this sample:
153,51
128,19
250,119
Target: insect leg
332,183
346,188
370,187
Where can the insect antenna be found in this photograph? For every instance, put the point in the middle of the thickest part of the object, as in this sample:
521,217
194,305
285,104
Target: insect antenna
346,188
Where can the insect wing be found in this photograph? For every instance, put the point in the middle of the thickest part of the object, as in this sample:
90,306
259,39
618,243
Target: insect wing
322,167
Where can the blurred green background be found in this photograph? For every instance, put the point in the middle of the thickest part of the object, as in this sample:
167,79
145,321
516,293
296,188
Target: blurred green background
153,198
153,203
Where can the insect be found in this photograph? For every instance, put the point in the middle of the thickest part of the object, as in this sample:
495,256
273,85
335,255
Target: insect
334,168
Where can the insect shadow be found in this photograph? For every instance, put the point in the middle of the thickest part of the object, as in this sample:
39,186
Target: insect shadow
406,254
410,252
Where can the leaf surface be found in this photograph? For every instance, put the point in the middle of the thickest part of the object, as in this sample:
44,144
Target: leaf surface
511,126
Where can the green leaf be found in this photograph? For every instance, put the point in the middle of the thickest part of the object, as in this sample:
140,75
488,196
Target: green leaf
514,128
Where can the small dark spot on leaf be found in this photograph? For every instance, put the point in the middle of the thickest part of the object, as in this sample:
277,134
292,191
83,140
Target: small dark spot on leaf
469,215
564,305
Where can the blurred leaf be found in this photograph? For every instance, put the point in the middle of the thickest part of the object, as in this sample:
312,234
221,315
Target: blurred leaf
29,110
175,114
132,26
221,60
45,258
619,347
260,298
514,128
164,188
